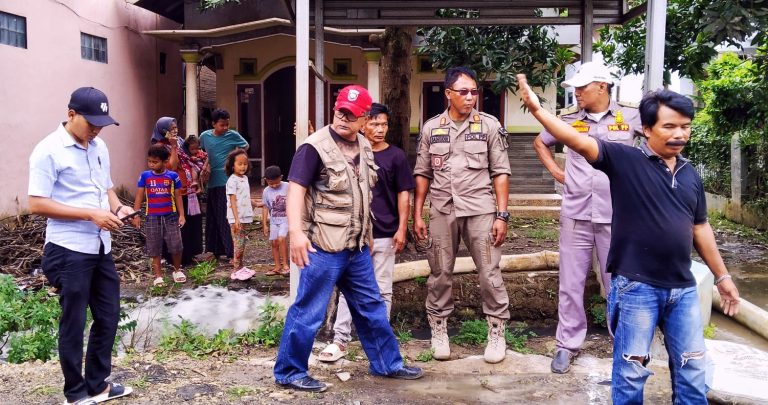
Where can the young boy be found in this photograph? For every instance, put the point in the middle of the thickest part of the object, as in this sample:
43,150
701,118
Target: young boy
275,219
163,217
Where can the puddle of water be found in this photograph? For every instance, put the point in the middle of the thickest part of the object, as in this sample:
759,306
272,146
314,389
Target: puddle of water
752,281
210,308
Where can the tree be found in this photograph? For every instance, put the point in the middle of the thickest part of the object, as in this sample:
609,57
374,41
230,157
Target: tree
694,28
496,51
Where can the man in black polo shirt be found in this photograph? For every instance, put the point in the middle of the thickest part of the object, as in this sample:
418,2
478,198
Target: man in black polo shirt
659,212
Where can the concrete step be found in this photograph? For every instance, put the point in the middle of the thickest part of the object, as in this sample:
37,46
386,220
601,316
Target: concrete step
536,200
537,212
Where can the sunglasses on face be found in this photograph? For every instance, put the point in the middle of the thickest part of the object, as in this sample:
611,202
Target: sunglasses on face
464,92
346,116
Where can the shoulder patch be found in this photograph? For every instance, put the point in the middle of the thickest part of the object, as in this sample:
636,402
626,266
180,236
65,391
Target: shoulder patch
628,104
433,118
570,110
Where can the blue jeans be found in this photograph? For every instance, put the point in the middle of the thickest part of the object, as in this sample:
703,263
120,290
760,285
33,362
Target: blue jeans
635,309
352,272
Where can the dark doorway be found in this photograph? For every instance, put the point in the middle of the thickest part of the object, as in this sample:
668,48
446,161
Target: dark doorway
279,116
249,125
434,101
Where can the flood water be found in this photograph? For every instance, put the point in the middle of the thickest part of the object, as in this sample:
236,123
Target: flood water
210,308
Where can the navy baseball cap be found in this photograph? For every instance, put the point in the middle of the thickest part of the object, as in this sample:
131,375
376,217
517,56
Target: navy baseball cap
92,104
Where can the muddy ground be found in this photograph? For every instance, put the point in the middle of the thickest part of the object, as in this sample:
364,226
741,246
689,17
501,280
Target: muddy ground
247,376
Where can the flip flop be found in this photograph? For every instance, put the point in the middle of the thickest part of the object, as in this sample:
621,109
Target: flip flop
332,352
115,391
159,282
273,272
245,273
179,277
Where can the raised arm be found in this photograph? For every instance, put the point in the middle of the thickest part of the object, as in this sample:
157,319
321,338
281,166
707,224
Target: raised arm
566,134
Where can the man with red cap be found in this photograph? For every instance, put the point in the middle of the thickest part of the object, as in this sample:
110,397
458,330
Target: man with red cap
329,226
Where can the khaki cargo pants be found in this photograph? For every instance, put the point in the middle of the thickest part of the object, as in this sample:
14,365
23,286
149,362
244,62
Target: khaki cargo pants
445,230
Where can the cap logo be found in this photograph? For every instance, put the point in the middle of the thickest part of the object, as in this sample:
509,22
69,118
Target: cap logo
352,96
104,107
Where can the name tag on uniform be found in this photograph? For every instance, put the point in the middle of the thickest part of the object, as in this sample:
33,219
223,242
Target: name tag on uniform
618,127
440,135
580,126
476,137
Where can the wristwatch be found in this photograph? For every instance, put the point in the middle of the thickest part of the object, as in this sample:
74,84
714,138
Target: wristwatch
502,215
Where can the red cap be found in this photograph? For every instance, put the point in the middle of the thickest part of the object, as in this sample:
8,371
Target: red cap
355,99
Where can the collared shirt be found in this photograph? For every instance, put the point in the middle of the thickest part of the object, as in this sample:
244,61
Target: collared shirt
586,192
64,171
461,161
654,211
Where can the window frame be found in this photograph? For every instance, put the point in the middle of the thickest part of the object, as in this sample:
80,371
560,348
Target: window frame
87,45
20,36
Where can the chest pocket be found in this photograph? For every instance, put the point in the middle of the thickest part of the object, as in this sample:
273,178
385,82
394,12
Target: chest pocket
477,154
438,152
624,137
338,186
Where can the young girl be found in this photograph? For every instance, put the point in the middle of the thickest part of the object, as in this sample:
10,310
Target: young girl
197,159
239,209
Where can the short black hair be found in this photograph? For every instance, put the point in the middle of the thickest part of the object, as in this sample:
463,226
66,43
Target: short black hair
649,106
453,74
159,151
272,173
219,114
377,108
229,165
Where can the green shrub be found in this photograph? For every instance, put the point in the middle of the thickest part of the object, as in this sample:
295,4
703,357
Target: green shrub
518,336
597,310
28,321
270,327
474,332
426,355
200,273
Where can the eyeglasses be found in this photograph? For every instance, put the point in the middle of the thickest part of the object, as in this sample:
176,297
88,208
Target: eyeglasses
348,117
464,92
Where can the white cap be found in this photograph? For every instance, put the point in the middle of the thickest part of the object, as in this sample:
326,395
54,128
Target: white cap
589,72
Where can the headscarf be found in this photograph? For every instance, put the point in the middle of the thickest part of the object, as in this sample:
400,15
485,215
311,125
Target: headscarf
162,126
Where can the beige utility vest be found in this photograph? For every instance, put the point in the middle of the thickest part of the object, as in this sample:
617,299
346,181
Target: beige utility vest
338,206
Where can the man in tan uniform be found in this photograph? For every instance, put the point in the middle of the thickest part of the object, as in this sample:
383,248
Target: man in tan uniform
462,160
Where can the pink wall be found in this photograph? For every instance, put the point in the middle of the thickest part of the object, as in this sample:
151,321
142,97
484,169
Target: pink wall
35,84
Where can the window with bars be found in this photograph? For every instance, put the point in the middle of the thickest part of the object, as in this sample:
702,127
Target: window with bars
13,30
93,48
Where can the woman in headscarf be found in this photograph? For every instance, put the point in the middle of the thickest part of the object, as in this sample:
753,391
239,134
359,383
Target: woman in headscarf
166,132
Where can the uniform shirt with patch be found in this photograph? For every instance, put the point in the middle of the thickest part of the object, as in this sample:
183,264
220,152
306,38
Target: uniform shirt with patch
461,161
586,192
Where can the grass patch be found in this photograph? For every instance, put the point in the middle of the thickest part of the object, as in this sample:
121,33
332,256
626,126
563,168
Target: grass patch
44,390
201,272
597,310
722,224
270,327
29,322
709,331
353,353
404,336
426,356
475,332
239,391
543,234
420,280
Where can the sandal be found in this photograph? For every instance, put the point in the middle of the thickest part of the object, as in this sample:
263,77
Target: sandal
179,277
159,282
115,391
245,273
332,352
274,272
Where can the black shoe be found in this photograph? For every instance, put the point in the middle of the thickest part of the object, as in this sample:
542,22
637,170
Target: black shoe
407,373
306,384
561,364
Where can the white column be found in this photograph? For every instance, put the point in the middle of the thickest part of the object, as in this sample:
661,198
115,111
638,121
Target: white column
654,45
191,59
302,102
586,31
320,65
373,58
